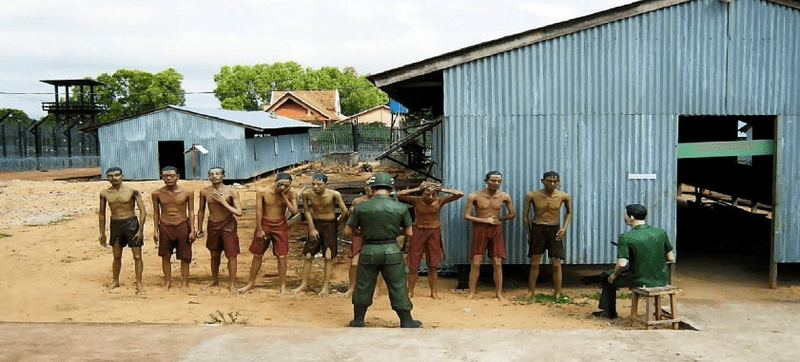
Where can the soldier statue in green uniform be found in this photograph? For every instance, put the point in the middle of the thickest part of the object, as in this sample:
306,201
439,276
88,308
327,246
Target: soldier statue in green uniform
380,220
642,257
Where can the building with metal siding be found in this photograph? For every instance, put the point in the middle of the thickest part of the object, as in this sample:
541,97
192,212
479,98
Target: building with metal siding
245,144
599,99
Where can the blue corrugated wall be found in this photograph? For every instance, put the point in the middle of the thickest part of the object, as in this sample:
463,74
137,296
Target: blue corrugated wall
133,145
603,103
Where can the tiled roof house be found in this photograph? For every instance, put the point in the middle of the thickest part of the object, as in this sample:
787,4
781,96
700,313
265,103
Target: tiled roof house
314,106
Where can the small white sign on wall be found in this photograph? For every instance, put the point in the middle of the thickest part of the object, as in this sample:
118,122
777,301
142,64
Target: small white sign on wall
641,176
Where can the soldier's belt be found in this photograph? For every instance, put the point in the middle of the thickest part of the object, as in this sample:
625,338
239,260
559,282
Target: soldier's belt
380,241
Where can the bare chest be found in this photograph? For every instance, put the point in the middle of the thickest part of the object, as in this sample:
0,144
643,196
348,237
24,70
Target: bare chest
119,197
224,195
545,202
427,209
488,204
321,203
176,199
271,199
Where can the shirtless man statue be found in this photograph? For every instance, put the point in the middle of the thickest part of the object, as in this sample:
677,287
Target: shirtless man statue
271,206
487,229
427,235
173,221
223,207
357,241
320,209
126,229
544,233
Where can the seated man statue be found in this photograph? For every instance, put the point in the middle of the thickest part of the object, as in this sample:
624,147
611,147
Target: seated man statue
642,258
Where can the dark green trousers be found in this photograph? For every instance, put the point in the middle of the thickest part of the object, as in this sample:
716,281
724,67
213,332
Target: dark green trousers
388,260
608,295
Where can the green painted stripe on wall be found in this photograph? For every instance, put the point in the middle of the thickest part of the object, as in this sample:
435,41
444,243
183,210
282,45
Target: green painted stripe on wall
726,149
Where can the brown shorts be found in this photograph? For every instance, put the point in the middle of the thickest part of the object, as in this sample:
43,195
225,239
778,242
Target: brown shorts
276,230
328,238
543,237
222,235
428,241
355,246
174,237
125,232
485,236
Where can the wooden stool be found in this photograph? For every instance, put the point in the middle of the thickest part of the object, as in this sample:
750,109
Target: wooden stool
655,293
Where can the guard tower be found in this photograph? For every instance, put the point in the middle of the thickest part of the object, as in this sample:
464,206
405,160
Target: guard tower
81,108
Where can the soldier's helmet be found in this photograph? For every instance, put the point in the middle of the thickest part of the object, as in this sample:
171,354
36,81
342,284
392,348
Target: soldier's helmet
381,179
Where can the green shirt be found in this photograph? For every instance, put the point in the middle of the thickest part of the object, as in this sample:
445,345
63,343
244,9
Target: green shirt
646,249
380,218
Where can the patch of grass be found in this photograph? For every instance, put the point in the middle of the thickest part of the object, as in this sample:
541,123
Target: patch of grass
4,235
218,317
596,295
546,298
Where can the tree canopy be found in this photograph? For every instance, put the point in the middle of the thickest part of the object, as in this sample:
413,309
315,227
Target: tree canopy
128,92
10,115
248,87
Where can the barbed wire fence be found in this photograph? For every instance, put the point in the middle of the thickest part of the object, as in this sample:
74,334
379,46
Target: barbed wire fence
369,140
19,147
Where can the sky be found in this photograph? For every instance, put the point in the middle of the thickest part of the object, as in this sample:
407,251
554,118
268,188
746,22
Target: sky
54,39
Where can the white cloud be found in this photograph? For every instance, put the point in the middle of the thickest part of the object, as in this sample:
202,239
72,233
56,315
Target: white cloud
555,12
560,10
53,39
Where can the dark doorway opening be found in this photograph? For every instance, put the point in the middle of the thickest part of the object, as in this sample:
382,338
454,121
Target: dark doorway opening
726,178
170,153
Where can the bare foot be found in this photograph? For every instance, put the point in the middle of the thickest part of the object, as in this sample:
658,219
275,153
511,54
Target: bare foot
167,286
410,293
234,291
500,297
184,288
113,285
434,294
283,291
247,287
301,288
213,283
139,289
471,296
529,295
324,292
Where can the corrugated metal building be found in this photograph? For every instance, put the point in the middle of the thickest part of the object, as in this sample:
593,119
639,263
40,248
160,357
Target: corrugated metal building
600,100
245,144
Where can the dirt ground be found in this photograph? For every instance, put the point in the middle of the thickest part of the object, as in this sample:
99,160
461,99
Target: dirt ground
54,270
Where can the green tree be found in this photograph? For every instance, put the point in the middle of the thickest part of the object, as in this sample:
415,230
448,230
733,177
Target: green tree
11,115
128,92
246,87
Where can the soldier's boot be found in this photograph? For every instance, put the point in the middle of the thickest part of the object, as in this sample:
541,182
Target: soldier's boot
359,311
405,319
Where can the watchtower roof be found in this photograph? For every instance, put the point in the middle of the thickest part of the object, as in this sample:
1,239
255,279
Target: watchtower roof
69,82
